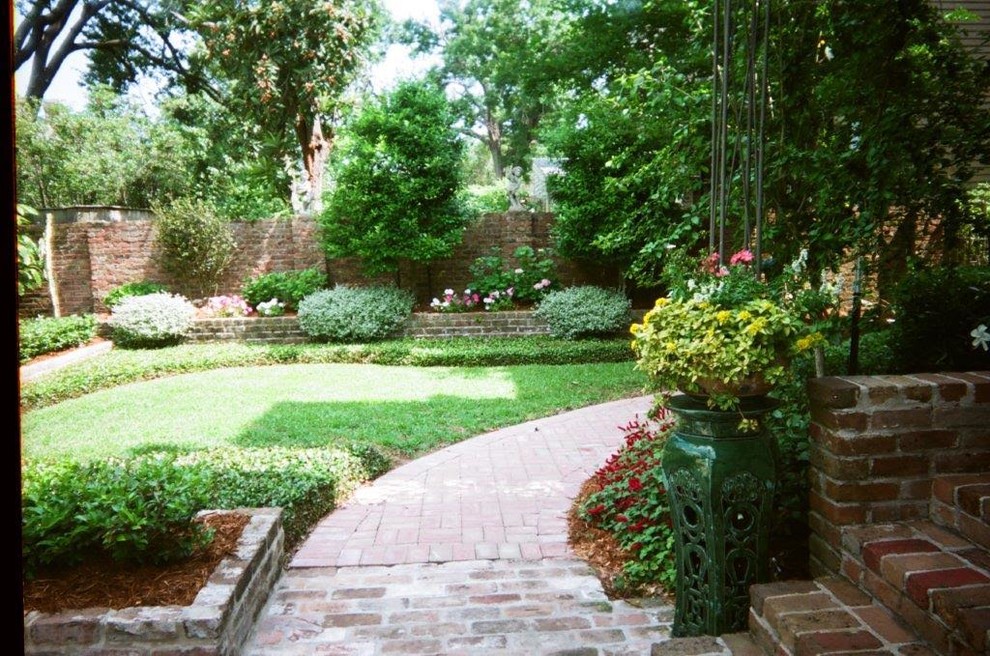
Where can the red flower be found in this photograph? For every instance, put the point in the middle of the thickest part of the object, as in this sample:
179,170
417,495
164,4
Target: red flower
635,485
622,519
597,510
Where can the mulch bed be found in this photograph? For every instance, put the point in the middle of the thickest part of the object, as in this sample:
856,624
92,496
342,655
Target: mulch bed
106,584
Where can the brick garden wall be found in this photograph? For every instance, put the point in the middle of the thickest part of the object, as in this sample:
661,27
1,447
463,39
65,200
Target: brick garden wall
97,249
878,441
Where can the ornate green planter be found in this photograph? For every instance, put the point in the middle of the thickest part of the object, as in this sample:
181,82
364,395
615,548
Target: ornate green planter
720,478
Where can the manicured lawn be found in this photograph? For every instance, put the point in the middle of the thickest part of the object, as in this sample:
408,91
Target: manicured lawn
408,410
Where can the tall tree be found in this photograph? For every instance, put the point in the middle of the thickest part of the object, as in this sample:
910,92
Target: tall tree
286,65
122,37
398,182
494,63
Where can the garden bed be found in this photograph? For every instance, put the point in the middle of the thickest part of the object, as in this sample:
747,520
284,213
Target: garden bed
218,621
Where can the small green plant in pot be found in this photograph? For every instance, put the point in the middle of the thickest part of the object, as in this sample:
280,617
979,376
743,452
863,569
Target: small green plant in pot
721,335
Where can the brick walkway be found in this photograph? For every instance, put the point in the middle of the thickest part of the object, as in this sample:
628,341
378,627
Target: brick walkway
464,551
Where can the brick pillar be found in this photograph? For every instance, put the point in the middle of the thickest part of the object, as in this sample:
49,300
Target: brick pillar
878,441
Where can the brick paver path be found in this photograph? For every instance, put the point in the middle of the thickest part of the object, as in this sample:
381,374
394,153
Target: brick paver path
464,551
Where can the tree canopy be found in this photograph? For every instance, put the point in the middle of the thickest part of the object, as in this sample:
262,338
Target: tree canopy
398,181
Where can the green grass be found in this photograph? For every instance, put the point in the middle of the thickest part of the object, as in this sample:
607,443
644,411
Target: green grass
408,410
122,366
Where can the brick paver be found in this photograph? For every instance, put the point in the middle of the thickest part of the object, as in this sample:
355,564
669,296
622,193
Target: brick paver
464,551
503,495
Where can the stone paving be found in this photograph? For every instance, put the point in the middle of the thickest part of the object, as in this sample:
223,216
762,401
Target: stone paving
464,551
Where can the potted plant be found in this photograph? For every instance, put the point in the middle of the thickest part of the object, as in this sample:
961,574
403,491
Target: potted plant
720,334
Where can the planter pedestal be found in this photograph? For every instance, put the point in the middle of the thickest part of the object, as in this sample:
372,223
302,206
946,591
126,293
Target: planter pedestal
720,474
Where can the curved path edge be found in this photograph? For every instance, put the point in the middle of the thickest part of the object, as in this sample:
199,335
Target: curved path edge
501,495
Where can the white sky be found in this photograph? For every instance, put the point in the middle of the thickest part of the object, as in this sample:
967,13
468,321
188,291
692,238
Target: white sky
396,64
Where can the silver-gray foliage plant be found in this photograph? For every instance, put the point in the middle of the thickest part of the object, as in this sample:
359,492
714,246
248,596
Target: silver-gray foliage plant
585,311
354,314
152,320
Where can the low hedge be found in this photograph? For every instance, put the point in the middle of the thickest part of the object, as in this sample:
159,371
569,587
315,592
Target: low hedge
119,367
51,334
142,509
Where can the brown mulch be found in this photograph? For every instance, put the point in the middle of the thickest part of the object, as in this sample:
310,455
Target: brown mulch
600,550
56,354
105,584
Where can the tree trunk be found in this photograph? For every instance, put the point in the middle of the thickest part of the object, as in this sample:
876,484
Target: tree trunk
315,152
494,143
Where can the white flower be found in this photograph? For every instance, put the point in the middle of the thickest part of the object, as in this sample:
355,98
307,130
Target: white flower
981,338
448,292
518,271
828,53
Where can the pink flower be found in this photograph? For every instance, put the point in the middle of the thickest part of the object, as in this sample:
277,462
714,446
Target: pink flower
742,257
722,272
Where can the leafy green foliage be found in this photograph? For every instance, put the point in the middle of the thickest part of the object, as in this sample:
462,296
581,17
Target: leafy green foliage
486,199
630,502
142,288
936,311
398,182
151,321
30,263
882,111
354,314
107,154
49,334
286,66
120,367
289,287
141,509
495,66
197,246
585,312
532,277
306,483
134,511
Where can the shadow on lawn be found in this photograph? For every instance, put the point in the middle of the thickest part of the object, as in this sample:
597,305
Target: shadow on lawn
409,427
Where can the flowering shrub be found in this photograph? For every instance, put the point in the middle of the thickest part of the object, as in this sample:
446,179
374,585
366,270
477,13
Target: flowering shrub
631,504
152,320
290,286
271,308
497,300
533,277
451,302
227,306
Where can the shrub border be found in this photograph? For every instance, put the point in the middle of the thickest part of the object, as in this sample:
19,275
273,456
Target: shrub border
219,621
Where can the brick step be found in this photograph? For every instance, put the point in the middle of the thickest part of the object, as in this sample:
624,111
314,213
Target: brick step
933,578
826,616
732,644
962,502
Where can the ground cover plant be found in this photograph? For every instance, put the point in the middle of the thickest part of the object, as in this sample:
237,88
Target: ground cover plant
49,334
122,366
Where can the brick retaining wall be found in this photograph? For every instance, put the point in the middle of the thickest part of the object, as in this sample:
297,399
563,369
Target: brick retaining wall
878,441
285,330
97,249
217,623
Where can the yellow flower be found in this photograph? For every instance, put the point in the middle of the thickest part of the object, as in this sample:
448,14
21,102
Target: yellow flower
745,315
723,316
809,342
635,328
756,327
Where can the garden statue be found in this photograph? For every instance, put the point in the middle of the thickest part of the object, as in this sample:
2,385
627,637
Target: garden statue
513,181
